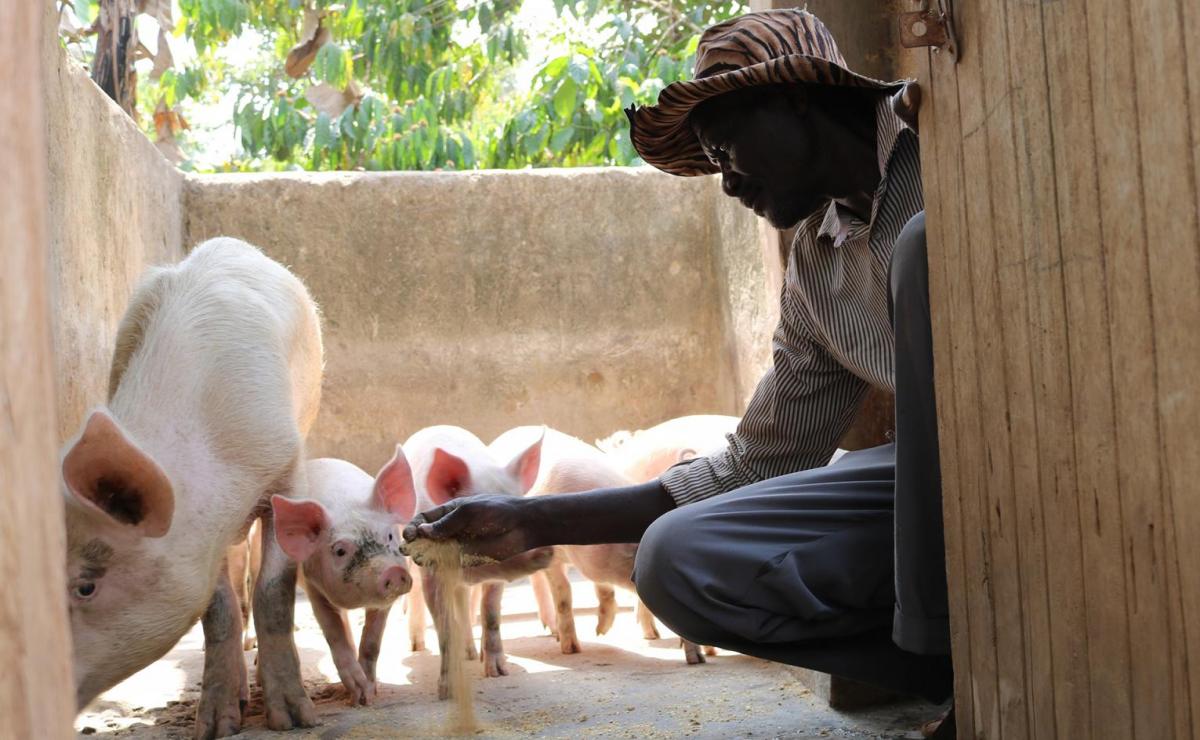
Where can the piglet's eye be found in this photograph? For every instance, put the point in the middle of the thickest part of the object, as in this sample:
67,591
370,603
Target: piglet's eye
340,552
83,590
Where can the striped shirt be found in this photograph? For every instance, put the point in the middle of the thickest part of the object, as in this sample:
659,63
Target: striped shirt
834,338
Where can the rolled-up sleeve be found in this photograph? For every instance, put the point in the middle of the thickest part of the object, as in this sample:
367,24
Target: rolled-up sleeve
801,408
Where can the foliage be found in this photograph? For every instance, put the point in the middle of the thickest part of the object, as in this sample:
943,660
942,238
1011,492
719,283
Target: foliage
428,84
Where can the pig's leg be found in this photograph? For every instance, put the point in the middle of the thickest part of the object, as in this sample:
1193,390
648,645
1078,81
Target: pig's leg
646,619
336,629
371,641
607,612
416,609
473,608
224,689
545,602
494,662
435,595
560,589
238,560
468,604
284,700
254,550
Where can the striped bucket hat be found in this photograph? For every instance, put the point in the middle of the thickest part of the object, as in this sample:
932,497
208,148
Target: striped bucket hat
769,47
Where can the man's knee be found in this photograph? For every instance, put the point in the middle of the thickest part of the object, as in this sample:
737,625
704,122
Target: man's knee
909,269
661,567
909,265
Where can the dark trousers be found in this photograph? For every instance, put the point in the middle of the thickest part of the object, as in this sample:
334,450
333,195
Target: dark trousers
839,569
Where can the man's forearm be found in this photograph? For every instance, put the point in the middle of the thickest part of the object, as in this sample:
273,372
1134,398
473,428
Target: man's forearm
597,517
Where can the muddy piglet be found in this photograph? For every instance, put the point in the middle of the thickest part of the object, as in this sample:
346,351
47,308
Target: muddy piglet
346,538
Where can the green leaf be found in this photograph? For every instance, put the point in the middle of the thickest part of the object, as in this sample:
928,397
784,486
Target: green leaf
564,99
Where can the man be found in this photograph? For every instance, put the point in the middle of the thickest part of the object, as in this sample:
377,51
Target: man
762,548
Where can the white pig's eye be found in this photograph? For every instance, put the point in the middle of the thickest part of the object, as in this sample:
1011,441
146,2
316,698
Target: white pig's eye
83,590
340,552
342,548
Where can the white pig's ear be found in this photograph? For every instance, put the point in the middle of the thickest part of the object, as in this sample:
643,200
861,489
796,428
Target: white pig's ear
448,476
524,467
394,488
106,472
299,524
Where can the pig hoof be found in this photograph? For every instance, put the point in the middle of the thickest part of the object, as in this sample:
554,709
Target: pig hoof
605,623
359,688
249,643
691,653
570,646
710,650
218,716
292,710
495,665
443,690
418,645
650,633
472,653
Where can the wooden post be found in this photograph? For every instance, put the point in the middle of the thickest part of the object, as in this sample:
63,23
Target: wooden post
37,694
1061,169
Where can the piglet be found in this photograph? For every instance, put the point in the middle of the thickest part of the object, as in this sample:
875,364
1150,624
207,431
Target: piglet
570,465
346,538
215,381
449,462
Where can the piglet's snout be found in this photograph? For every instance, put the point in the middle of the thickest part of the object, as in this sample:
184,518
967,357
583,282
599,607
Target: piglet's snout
395,581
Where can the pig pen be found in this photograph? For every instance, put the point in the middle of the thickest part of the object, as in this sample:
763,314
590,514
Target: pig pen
588,300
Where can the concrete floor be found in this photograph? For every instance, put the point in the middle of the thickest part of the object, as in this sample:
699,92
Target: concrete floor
619,686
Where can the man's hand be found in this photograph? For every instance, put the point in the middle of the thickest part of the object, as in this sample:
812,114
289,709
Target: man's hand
496,527
500,527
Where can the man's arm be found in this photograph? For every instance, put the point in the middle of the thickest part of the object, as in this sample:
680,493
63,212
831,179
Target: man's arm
502,526
800,409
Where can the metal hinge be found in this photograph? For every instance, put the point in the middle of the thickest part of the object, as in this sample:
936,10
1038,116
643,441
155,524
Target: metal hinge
930,27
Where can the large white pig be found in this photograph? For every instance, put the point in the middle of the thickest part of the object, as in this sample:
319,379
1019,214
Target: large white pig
643,455
346,536
449,462
214,384
570,465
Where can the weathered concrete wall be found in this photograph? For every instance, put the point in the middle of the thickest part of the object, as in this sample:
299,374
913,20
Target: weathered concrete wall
591,300
114,208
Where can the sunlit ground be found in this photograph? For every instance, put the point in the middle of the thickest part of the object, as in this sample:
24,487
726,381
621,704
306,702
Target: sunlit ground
621,685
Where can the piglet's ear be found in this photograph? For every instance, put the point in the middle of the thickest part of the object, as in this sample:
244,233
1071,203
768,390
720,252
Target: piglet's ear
394,488
299,525
448,477
524,467
109,474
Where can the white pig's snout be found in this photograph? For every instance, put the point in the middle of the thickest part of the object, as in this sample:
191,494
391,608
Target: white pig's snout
395,581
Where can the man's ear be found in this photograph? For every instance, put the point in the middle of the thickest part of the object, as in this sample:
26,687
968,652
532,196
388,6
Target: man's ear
110,475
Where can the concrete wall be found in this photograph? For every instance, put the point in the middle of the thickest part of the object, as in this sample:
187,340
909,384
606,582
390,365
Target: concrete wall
590,300
114,208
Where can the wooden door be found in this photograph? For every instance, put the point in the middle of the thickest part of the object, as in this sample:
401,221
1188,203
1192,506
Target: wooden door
1061,155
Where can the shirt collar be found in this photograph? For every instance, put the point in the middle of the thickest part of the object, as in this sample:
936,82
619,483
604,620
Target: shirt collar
839,224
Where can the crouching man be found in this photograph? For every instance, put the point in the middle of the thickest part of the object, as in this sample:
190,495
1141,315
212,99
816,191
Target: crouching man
764,548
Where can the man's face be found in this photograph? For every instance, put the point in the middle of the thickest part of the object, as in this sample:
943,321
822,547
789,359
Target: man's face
766,149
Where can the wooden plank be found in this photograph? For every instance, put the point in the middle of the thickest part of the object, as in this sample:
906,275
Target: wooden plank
1087,315
994,484
1008,269
36,695
968,482
956,567
1188,519
1039,248
1172,234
